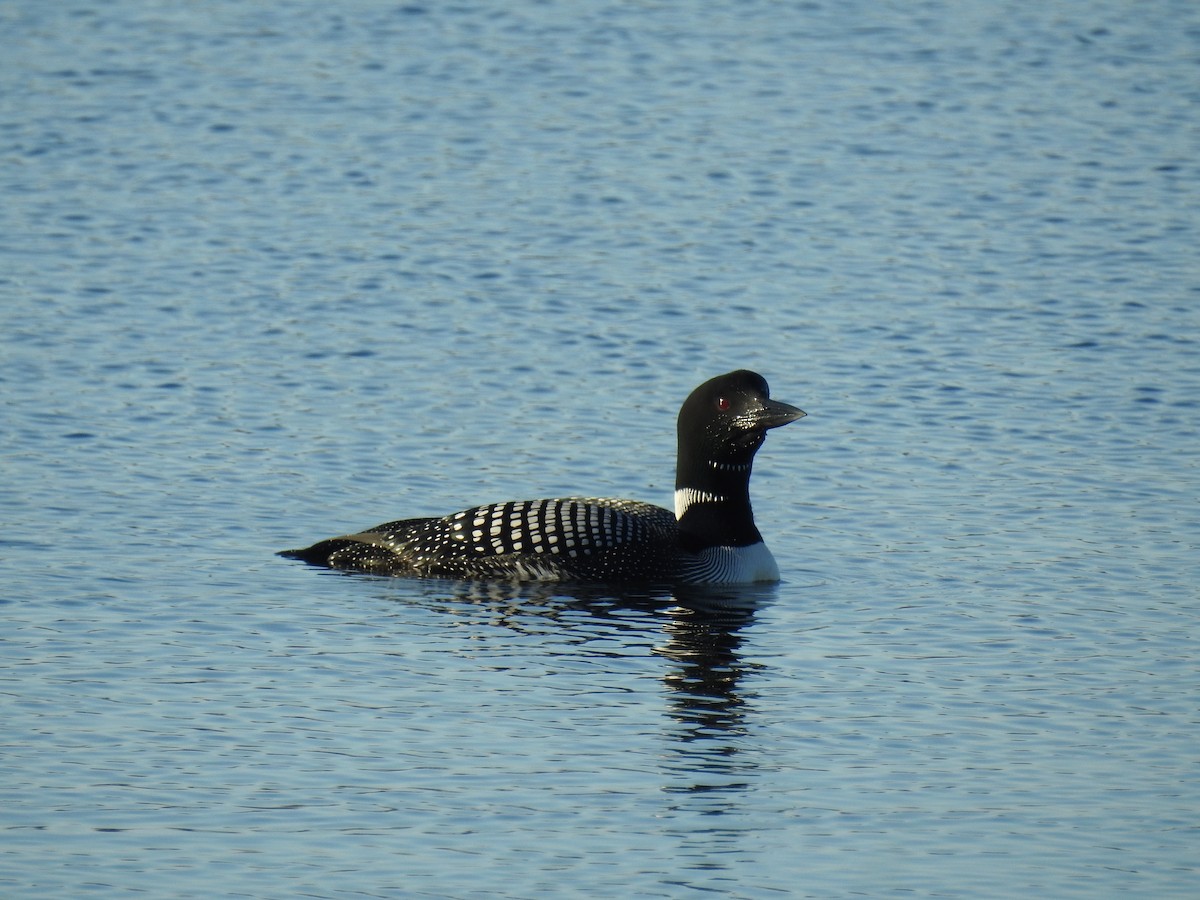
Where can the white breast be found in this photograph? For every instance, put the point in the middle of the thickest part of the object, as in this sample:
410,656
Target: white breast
732,565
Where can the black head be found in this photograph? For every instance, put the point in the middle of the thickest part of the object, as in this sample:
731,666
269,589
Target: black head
726,419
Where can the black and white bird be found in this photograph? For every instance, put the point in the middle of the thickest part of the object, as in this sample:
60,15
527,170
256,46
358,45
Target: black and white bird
710,538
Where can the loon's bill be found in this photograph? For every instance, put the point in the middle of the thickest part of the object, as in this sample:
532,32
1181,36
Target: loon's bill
710,538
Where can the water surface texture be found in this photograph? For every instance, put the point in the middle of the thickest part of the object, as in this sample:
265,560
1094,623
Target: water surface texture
275,271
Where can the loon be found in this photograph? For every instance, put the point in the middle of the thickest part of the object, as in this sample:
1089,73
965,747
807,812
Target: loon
710,538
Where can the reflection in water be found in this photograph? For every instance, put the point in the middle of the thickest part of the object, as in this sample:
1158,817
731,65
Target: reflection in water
699,630
703,639
529,607
705,694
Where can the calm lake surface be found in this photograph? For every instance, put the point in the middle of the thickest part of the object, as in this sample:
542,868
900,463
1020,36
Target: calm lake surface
275,271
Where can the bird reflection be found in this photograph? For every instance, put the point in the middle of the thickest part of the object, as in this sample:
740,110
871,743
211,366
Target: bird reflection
703,639
705,694
698,630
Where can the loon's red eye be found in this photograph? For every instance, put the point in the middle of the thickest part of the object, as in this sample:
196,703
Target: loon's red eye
722,403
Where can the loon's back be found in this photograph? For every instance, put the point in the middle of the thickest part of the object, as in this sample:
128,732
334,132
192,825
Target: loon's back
711,537
568,539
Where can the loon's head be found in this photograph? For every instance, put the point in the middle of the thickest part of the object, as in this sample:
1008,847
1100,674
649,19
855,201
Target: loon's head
725,420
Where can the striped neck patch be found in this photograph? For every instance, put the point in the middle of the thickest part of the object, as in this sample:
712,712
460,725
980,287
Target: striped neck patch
686,497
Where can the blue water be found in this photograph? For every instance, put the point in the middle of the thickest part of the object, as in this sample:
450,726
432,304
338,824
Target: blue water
271,272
